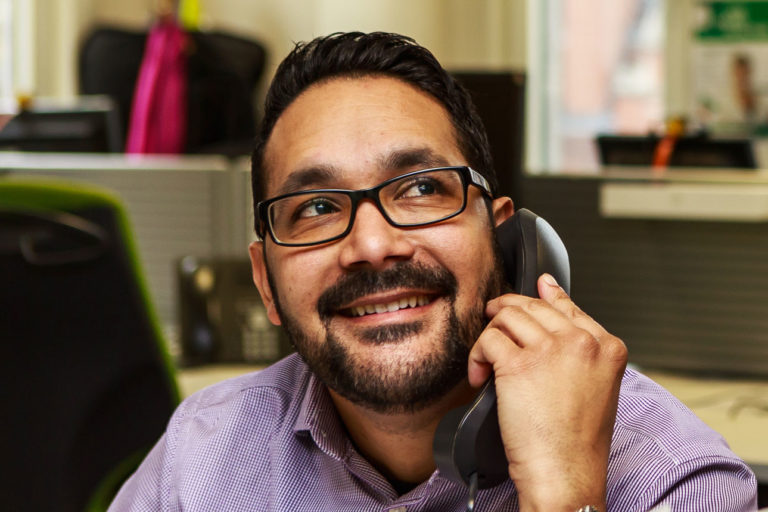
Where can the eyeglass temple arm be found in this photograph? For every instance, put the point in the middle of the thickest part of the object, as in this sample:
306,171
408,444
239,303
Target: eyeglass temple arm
479,180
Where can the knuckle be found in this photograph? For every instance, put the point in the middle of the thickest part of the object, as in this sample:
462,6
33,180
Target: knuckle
533,305
511,312
585,343
572,311
508,299
616,350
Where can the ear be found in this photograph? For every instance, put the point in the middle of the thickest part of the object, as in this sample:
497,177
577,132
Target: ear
259,270
503,208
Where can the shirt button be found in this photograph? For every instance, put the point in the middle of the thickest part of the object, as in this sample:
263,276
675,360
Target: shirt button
398,509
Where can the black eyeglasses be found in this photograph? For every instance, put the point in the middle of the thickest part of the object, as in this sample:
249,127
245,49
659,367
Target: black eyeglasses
419,198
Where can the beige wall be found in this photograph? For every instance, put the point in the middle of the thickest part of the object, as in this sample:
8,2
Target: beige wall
462,33
466,34
56,32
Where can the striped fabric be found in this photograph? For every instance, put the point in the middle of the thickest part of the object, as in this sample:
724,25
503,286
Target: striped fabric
272,441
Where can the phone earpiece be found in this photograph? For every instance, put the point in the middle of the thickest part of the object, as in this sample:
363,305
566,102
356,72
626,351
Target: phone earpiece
529,248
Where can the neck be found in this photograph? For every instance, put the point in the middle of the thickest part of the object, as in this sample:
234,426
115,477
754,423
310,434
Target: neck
399,445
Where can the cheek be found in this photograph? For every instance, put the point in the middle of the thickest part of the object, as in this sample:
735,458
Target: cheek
467,253
300,278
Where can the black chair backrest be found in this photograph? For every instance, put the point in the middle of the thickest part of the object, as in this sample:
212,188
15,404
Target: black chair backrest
223,72
87,385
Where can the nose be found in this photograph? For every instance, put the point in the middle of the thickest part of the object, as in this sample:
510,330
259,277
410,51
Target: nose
373,241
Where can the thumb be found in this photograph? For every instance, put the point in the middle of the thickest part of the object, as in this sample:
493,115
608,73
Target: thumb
549,289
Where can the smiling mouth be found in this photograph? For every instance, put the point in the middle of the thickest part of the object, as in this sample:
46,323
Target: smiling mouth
388,307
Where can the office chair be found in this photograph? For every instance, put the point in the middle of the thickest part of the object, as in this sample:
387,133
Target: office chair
223,72
87,383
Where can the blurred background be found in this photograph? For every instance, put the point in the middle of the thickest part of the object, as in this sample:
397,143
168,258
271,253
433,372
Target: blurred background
636,127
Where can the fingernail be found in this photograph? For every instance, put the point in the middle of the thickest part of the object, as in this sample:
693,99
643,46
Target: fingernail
550,280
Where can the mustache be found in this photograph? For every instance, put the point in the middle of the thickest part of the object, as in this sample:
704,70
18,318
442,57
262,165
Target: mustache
360,283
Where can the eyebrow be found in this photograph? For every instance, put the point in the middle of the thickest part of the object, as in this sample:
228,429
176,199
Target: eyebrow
394,162
316,176
403,159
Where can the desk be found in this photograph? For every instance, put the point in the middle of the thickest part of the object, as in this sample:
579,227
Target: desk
736,409
195,378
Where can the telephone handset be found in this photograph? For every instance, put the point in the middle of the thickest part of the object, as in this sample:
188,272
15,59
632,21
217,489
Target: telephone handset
467,445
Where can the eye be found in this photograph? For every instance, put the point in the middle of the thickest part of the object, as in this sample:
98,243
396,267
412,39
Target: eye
315,207
420,187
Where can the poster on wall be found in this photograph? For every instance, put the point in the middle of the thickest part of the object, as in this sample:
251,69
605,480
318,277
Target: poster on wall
730,66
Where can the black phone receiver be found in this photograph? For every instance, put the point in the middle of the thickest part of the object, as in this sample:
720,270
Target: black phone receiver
467,445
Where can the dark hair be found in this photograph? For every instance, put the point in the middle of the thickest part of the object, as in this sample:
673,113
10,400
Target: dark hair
355,54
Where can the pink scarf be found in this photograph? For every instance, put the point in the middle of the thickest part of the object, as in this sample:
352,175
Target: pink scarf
159,112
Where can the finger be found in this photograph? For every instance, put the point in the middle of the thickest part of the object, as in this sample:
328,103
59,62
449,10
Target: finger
512,338
611,346
553,294
548,322
527,321
539,311
493,349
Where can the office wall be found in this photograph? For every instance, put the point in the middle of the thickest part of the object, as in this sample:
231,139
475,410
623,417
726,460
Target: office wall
54,33
466,34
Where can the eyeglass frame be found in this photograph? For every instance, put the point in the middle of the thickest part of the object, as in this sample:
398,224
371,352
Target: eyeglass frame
468,176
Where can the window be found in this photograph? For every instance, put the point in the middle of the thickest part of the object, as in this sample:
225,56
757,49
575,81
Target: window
6,46
17,61
596,66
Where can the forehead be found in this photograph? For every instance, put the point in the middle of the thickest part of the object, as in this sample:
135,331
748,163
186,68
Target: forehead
354,132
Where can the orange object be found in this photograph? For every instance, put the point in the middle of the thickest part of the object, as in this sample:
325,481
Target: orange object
675,127
663,151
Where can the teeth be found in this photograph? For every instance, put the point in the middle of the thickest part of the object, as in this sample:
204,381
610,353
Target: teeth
390,307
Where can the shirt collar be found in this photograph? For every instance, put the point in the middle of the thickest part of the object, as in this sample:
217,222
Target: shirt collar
318,417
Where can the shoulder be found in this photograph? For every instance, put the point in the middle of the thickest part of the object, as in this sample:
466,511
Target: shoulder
260,399
648,411
662,451
219,438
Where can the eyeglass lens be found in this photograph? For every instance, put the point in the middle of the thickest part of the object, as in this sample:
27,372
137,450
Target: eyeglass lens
420,198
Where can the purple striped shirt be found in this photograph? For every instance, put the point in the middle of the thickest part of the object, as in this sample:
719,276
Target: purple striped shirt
272,441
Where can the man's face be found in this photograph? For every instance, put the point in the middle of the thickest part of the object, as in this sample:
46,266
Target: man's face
423,290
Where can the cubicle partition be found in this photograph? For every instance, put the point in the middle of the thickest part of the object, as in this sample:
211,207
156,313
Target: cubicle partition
179,206
676,264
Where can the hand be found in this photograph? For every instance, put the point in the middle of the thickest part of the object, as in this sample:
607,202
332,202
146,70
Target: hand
557,375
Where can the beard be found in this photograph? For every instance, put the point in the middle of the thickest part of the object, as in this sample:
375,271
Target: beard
398,383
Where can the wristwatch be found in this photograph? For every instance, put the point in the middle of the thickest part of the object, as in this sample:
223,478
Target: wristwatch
588,508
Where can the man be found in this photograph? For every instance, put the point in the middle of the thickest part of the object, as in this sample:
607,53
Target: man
376,208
